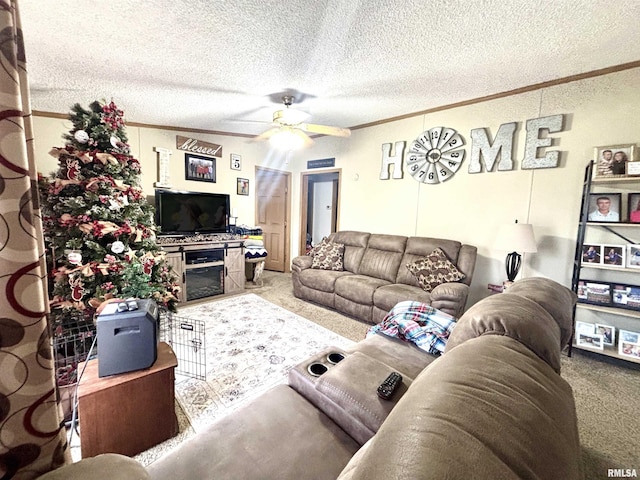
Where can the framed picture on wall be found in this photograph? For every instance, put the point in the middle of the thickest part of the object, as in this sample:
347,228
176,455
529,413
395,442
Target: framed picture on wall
243,186
236,162
199,168
634,207
612,160
604,207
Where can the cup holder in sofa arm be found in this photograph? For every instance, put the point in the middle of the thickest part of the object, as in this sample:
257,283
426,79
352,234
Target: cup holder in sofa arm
317,369
335,357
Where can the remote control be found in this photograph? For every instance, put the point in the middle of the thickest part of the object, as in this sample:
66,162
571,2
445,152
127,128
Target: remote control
389,386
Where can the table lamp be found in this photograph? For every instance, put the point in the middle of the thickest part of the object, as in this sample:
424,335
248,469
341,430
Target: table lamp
515,237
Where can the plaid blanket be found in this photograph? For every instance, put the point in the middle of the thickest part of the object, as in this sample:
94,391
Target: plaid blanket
419,323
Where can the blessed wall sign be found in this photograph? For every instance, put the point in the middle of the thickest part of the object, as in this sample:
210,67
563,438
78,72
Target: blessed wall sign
437,153
198,146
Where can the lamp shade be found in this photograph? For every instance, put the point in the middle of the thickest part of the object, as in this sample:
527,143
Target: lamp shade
516,237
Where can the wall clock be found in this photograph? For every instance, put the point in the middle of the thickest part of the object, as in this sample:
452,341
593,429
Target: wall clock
436,155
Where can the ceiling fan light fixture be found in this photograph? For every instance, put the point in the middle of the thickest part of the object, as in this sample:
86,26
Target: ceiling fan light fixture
290,116
286,139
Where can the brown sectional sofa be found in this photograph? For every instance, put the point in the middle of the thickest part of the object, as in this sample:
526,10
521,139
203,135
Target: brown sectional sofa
492,406
375,277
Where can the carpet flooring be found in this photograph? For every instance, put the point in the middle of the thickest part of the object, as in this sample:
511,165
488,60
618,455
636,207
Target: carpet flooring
607,394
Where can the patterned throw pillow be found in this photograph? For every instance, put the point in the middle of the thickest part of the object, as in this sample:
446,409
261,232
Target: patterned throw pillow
434,269
329,256
312,251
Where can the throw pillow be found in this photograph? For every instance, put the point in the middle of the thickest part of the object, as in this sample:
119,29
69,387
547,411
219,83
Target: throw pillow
312,251
434,269
329,256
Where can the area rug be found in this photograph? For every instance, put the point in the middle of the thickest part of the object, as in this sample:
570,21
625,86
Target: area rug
251,344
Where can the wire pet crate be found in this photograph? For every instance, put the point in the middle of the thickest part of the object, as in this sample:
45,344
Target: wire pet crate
187,339
71,345
71,340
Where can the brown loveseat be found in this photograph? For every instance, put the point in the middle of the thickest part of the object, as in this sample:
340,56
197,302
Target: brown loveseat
375,277
494,406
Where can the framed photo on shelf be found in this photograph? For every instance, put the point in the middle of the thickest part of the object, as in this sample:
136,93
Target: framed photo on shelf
626,296
584,327
604,207
614,255
592,253
243,186
612,160
633,255
608,333
633,201
199,168
633,169
629,344
595,293
590,340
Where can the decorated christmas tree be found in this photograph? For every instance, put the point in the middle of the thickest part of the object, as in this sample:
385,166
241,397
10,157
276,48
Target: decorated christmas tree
99,229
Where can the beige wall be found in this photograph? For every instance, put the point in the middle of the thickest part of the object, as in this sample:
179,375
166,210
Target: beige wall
468,207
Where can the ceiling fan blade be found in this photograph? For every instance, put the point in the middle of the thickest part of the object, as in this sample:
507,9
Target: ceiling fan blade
305,138
325,130
266,135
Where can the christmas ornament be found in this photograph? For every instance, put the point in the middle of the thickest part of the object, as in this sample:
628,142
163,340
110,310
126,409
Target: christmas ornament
114,141
81,136
117,247
77,288
73,168
74,257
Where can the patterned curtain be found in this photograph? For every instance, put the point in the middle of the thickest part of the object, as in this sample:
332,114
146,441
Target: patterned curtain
32,435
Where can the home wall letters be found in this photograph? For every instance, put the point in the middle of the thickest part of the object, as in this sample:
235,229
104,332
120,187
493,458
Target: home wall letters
486,153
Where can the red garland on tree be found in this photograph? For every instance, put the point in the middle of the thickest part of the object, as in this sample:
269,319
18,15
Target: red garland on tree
99,230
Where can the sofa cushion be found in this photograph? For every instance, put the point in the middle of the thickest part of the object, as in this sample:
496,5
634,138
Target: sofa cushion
401,356
107,465
358,288
382,257
434,269
278,434
355,244
323,280
329,256
387,296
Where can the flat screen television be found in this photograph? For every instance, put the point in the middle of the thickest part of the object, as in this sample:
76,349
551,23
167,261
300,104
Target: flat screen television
191,213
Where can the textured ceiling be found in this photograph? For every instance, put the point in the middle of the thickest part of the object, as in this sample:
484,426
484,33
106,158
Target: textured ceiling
223,65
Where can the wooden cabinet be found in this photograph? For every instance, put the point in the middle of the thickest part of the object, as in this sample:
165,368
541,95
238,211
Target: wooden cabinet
234,269
130,412
605,276
176,260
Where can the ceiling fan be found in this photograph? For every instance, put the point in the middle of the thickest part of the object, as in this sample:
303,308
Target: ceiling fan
290,130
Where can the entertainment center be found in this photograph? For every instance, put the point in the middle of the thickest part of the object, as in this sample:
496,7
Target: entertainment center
194,230
206,267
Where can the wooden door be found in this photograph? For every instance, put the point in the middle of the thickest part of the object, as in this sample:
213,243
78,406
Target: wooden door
272,210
